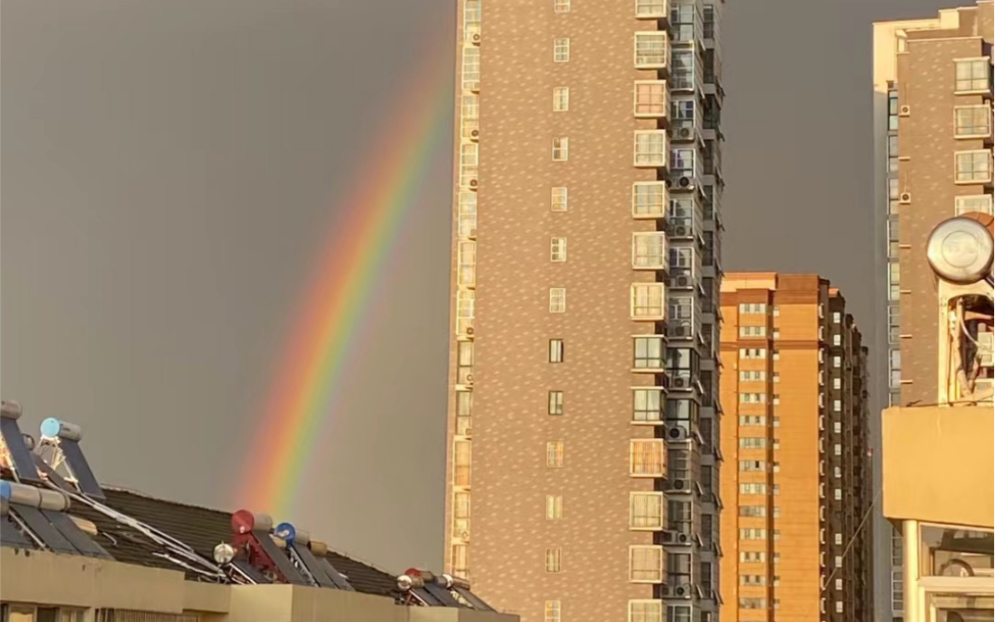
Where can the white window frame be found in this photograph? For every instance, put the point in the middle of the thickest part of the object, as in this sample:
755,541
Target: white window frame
556,350
645,610
561,98
973,179
645,394
652,9
561,149
557,249
644,195
646,49
465,302
469,165
642,301
986,108
557,299
975,84
555,451
466,263
649,148
654,559
649,250
660,348
467,220
649,521
558,199
554,507
561,6
561,50
963,204
641,469
652,94
554,560
551,611
470,73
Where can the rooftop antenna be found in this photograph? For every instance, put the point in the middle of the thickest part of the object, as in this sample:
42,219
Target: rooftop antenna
60,449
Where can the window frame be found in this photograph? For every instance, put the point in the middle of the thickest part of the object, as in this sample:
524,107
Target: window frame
656,88
560,149
657,241
557,299
974,180
561,50
986,107
644,144
561,99
971,86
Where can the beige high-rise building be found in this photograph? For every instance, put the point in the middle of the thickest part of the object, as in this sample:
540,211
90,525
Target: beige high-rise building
933,162
583,420
797,481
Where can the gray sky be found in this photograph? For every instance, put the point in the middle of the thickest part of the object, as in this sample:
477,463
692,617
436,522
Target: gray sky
168,172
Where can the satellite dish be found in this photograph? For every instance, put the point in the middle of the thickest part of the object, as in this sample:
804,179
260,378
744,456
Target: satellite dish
960,250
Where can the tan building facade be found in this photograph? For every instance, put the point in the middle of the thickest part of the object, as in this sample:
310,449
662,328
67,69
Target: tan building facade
797,484
933,138
582,428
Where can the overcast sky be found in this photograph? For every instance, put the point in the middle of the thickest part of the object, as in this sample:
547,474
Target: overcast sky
168,173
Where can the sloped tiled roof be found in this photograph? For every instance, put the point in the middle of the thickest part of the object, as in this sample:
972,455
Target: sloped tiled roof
202,529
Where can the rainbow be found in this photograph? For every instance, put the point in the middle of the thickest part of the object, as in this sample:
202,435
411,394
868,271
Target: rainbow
331,322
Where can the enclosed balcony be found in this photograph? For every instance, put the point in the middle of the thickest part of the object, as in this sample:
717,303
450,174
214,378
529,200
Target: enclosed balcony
683,317
685,268
686,120
685,169
684,218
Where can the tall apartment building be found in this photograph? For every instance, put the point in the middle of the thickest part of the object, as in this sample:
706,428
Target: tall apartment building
933,161
797,482
583,420
933,151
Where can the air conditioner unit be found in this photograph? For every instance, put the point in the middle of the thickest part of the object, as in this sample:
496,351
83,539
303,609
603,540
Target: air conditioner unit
472,233
681,382
681,280
677,433
904,111
465,535
469,379
681,231
905,197
469,331
474,135
985,348
668,183
668,537
685,132
473,183
680,331
680,485
475,38
683,538
685,182
683,590
665,591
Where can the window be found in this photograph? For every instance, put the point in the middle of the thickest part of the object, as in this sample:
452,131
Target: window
973,166
650,98
682,72
469,160
752,465
647,301
839,607
557,300
647,352
561,50
972,74
646,564
752,331
471,68
554,454
646,457
554,507
561,6
776,467
682,21
837,494
837,362
752,534
558,199
837,383
749,308
838,561
555,350
552,608
837,405
464,362
752,579
777,511
752,443
752,556
649,250
651,50
646,510
464,412
752,398
752,489
650,148
557,249
776,422
651,8
837,449
752,353
561,149
776,377
461,463
467,214
470,114
645,611
556,402
752,420
837,340
461,513
466,259
752,376
838,539
553,560
648,199
839,584
646,405
561,99
972,121
752,511
837,427
461,565
776,489
973,203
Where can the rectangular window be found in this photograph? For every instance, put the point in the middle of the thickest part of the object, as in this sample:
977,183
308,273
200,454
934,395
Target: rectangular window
464,362
561,149
466,259
646,457
554,454
752,511
682,72
557,300
752,443
468,215
752,353
752,465
561,50
561,99
973,74
650,148
752,534
469,160
470,115
647,352
649,199
554,507
646,564
972,121
461,514
557,249
754,376
461,463
561,6
558,199
461,564
552,608
464,412
973,167
647,301
837,340
646,611
646,510
752,603
752,579
752,420
649,250
752,398
752,331
553,560
838,539
471,68
555,350
646,405
973,203
837,494
752,489
651,50
751,308
753,556
555,403
650,98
